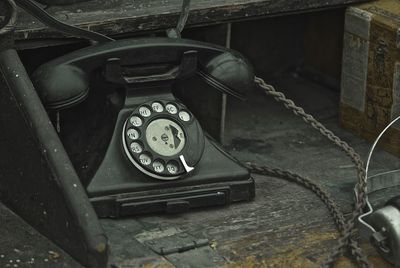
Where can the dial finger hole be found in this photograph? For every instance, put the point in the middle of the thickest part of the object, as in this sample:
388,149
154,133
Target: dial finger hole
184,116
172,167
157,107
136,121
133,134
145,159
136,147
171,108
144,111
158,166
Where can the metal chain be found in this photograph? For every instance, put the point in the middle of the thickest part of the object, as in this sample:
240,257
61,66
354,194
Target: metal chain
346,228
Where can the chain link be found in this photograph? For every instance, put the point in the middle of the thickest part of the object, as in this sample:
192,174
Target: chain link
346,228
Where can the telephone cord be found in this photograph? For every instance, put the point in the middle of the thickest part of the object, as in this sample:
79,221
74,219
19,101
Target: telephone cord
346,228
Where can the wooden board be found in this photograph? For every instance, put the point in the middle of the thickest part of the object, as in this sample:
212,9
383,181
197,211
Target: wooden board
371,74
23,246
286,225
116,17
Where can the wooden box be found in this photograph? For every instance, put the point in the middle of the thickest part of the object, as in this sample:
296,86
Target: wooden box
370,87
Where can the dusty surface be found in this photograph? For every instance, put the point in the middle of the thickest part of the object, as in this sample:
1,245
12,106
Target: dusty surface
22,246
285,226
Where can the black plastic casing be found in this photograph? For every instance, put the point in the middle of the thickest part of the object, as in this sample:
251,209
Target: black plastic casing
117,188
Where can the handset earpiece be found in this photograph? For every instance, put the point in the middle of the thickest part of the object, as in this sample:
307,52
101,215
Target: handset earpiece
61,86
229,73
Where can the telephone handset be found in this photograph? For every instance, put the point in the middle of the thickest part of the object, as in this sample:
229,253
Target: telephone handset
64,82
157,158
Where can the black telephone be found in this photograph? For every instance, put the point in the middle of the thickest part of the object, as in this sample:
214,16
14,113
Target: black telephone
155,156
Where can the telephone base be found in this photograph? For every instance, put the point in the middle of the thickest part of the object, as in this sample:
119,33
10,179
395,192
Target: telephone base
176,200
118,189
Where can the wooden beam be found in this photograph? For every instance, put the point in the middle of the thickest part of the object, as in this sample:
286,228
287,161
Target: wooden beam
113,17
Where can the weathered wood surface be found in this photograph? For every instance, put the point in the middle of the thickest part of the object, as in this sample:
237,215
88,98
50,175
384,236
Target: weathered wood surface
23,246
115,17
370,74
286,225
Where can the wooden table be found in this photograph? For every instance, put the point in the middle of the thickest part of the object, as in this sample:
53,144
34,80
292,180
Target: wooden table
286,225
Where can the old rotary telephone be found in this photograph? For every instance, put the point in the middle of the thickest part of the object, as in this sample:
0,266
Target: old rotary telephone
155,156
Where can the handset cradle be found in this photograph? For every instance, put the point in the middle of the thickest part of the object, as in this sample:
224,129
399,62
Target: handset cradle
114,71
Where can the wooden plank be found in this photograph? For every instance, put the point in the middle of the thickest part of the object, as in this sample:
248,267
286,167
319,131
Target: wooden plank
125,16
371,74
286,225
23,246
